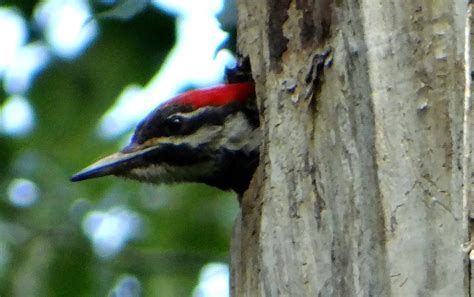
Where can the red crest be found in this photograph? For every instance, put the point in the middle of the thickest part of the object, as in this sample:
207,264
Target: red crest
215,96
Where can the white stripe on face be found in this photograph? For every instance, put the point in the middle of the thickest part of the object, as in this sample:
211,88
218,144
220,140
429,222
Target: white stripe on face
233,135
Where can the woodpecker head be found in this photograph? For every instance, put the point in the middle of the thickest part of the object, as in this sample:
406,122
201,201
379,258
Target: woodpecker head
207,136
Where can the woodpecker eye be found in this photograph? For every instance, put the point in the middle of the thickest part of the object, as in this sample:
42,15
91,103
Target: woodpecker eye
173,124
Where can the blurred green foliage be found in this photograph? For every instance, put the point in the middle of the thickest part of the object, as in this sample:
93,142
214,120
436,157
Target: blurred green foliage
43,249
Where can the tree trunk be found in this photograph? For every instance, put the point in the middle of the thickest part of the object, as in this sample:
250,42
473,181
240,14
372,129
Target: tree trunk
360,186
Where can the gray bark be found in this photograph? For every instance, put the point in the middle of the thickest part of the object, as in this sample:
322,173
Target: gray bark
360,185
468,141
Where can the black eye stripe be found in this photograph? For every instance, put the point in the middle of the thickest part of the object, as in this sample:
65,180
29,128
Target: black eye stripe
179,120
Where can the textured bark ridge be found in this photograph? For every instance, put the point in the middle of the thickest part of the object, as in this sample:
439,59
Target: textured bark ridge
360,185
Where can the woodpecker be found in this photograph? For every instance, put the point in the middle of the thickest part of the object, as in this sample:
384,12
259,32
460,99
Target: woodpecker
209,136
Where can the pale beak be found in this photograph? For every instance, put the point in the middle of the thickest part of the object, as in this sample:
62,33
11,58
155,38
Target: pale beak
109,165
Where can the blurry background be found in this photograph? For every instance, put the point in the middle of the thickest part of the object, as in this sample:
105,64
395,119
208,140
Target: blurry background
76,76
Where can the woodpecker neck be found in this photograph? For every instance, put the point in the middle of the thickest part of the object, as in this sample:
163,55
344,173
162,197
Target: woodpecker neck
235,176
